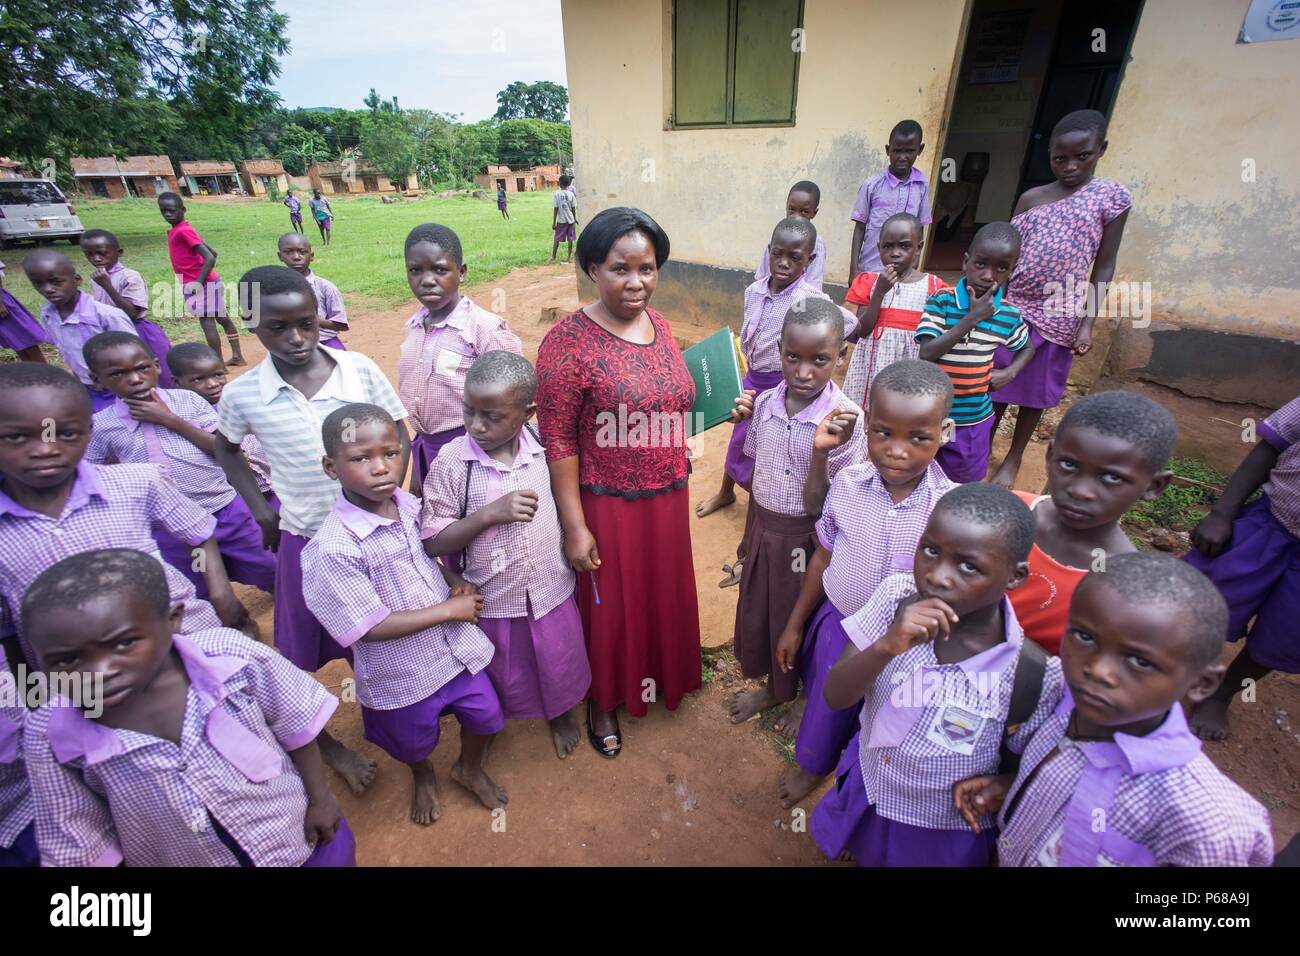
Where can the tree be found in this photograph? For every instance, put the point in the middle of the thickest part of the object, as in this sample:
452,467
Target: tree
299,148
541,100
533,142
387,141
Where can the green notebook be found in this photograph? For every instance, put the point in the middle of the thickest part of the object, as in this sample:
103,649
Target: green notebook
715,366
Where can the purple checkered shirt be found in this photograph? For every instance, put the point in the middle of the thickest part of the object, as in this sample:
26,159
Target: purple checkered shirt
868,535
926,725
252,449
1135,801
782,446
518,566
360,568
106,795
329,303
1282,431
113,506
880,197
87,320
129,284
17,809
813,276
118,437
433,362
760,330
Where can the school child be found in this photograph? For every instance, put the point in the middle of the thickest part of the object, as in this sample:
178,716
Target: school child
1143,635
899,187
564,223
501,200
201,749
295,252
889,305
198,369
295,210
785,425
1252,554
1109,453
17,808
195,262
19,329
70,316
948,682
283,402
323,213
488,497
803,201
172,429
442,341
53,504
116,285
417,653
1067,228
871,518
960,330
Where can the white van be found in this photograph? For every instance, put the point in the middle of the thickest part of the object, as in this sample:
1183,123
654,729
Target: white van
35,210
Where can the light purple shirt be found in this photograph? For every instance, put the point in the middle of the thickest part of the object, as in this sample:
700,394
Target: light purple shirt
518,566
869,536
119,438
87,320
1134,801
760,330
329,304
17,809
112,506
129,284
106,795
1282,431
813,276
880,197
926,725
359,569
781,446
294,204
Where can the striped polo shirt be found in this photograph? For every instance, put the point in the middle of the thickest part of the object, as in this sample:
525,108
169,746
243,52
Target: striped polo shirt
970,362
288,424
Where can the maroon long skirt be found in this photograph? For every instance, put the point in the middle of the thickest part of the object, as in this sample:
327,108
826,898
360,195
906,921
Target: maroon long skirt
638,608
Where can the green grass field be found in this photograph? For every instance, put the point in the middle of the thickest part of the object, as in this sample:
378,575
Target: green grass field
364,259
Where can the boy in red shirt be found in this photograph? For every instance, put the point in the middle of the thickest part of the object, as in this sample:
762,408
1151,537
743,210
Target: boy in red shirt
195,262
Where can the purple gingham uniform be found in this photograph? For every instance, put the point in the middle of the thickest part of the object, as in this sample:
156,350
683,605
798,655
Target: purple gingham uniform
87,320
252,449
813,276
118,437
868,535
519,565
1282,431
782,446
17,809
1135,801
760,330
105,795
360,568
880,197
329,303
433,362
129,285
114,506
907,774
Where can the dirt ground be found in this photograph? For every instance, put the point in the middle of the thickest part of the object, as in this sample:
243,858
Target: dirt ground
689,787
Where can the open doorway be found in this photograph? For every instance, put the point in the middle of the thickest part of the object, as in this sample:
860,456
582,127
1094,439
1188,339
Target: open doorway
1023,66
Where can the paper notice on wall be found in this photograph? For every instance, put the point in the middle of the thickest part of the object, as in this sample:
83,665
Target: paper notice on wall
1271,20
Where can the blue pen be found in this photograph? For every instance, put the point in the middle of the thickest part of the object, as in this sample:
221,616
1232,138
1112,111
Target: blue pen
595,591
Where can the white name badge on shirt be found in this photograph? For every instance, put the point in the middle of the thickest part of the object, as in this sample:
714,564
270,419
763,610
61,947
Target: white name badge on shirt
957,729
448,361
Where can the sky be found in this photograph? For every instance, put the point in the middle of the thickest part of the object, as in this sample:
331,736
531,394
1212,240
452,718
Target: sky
451,56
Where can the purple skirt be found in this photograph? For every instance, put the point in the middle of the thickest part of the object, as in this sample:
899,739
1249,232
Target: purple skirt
239,537
334,343
846,820
425,448
20,329
1041,383
159,345
965,457
23,851
539,665
1259,576
823,733
740,467
298,635
411,733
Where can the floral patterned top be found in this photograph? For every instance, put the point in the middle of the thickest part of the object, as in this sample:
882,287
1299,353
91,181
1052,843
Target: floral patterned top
1058,243
622,408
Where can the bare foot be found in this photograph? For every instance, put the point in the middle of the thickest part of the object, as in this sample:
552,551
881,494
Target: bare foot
564,731
712,504
425,807
237,360
750,702
1209,719
795,785
477,782
347,763
1005,476
788,723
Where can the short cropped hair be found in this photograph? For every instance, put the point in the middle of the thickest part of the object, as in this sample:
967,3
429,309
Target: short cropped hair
809,187
170,197
1129,417
997,508
914,377
270,280
1080,121
798,227
611,225
90,235
999,233
47,255
565,180
20,375
290,235
97,345
499,367
357,413
438,235
76,580
813,311
907,217
906,128
181,358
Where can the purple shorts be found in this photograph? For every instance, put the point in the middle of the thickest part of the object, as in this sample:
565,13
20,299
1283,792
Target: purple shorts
425,448
20,329
208,302
823,732
340,851
1259,576
740,467
965,457
411,733
23,851
298,635
539,665
334,343
565,232
295,217
239,537
1041,383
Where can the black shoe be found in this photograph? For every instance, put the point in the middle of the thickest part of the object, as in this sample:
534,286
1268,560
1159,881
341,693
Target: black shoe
602,744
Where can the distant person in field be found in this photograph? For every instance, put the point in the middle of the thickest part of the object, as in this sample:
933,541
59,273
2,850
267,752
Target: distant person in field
501,199
295,211
322,213
196,264
564,221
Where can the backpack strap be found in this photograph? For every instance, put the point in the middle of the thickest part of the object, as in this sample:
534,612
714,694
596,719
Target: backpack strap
533,431
464,510
1026,690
